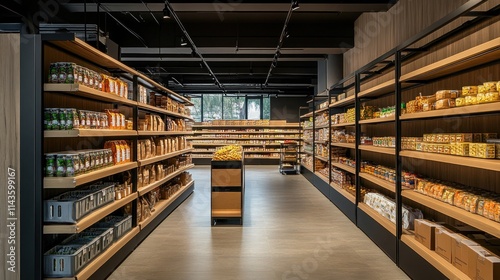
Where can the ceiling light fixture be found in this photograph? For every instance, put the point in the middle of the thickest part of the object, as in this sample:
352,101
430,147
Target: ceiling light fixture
189,41
183,42
166,12
284,34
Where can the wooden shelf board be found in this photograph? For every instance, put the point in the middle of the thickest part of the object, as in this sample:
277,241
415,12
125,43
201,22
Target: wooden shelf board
297,126
262,158
321,158
101,259
88,133
474,56
247,132
163,204
144,190
89,219
344,145
154,133
446,268
306,115
457,111
474,220
260,152
322,177
309,153
344,167
72,182
162,111
383,88
87,92
321,126
487,164
380,182
381,150
387,224
343,124
321,110
321,142
202,151
343,192
242,138
227,213
225,144
378,120
347,101
307,128
163,157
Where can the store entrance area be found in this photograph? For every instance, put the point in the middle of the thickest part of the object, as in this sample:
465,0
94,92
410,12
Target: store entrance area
290,231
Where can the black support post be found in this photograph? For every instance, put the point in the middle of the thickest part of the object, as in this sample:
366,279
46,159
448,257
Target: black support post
399,203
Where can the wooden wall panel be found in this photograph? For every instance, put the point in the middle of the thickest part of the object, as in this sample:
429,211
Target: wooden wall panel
9,153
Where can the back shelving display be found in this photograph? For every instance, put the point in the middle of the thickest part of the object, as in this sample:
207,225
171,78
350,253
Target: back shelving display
403,74
150,152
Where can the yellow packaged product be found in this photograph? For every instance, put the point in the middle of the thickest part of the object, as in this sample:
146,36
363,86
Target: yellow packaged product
481,89
472,149
464,137
484,150
447,149
469,90
498,86
481,98
470,100
492,96
462,149
474,199
446,138
445,94
497,146
490,86
419,146
460,101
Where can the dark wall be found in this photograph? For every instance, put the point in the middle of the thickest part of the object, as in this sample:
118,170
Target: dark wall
287,108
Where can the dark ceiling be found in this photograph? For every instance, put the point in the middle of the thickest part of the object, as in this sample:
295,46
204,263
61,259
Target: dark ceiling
237,38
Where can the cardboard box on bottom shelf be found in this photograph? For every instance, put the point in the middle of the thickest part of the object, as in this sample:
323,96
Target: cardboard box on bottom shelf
425,232
461,252
443,243
483,265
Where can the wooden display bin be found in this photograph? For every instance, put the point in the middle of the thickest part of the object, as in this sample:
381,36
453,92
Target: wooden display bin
227,195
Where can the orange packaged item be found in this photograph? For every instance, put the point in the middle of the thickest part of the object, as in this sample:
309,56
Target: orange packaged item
112,119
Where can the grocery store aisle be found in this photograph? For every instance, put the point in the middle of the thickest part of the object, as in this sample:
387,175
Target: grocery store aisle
290,231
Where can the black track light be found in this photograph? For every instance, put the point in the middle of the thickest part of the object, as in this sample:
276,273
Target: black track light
183,42
166,13
295,5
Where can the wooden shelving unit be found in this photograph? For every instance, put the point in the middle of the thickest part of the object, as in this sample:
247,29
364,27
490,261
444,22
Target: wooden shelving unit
296,126
161,133
448,269
89,219
381,89
88,133
87,92
73,182
344,145
236,138
321,126
144,190
343,124
378,120
477,221
487,164
162,111
162,205
388,225
344,193
322,177
380,182
375,149
481,54
344,167
457,111
321,158
147,161
246,132
344,102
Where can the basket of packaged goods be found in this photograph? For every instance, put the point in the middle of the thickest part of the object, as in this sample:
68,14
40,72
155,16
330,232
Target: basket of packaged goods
71,206
228,153
66,259
120,225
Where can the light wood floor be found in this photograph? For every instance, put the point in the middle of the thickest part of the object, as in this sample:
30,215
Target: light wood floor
290,232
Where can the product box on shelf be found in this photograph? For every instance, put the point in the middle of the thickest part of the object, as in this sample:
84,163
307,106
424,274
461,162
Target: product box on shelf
443,243
425,232
487,267
460,252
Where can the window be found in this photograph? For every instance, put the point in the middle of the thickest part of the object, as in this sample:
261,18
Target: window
266,108
254,109
209,107
234,108
196,109
212,107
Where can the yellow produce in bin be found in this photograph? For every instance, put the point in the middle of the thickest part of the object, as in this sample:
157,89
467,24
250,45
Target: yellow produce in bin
227,153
